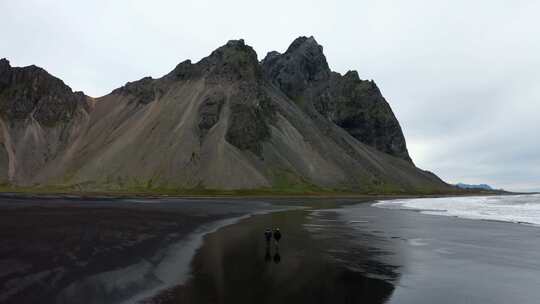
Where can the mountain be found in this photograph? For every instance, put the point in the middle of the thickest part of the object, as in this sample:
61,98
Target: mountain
355,105
285,124
467,186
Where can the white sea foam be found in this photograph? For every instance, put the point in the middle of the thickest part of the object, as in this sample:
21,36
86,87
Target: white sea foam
512,208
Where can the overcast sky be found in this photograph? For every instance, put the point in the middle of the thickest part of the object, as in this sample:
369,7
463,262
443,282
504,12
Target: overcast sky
463,77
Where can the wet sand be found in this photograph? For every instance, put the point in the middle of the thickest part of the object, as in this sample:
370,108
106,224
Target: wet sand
56,250
213,251
235,265
363,254
450,260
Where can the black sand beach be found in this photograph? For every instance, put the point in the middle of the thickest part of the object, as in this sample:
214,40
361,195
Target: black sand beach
362,254
332,251
235,266
101,250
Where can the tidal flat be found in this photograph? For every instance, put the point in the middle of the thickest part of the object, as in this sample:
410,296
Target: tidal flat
60,250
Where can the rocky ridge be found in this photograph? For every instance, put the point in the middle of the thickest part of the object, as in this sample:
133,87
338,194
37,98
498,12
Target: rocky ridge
287,123
355,105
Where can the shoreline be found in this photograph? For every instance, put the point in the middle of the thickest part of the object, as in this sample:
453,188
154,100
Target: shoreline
360,253
215,235
273,196
180,255
233,265
147,277
48,245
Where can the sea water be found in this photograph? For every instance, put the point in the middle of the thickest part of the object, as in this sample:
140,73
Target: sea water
467,250
524,209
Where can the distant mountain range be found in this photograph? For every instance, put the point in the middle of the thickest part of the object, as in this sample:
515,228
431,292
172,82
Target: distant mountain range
228,122
480,186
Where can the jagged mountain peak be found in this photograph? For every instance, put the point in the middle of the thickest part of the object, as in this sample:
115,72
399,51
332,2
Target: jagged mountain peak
236,60
303,63
353,75
355,105
303,43
31,92
4,64
234,47
227,121
270,56
233,61
29,73
309,55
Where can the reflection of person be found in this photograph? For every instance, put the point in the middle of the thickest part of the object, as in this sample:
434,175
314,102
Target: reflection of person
277,257
277,235
268,235
268,256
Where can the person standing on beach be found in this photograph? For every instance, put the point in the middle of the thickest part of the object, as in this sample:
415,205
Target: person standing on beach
268,235
277,235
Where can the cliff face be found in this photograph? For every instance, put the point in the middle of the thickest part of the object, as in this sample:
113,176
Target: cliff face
226,122
38,114
355,105
32,93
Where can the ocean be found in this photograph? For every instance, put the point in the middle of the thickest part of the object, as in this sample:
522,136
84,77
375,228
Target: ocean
440,250
523,209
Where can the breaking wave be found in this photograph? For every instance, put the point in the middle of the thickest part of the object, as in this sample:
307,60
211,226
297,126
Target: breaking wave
523,209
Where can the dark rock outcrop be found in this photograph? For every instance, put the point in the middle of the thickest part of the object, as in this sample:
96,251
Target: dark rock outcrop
184,70
300,68
209,112
31,91
355,105
143,91
235,61
250,108
251,114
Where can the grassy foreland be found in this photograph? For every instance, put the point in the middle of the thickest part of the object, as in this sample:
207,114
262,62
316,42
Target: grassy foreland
292,191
